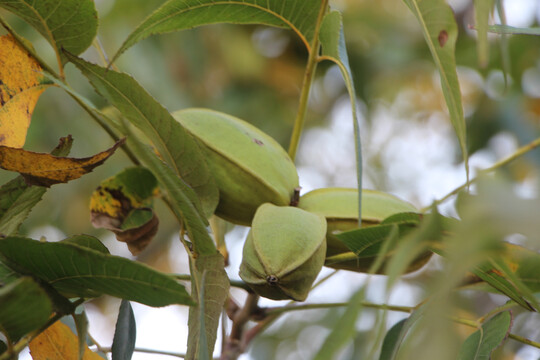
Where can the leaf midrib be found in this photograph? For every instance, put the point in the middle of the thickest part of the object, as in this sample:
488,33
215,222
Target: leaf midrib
237,3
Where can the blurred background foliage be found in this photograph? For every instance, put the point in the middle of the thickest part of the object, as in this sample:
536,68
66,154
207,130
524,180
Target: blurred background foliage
255,73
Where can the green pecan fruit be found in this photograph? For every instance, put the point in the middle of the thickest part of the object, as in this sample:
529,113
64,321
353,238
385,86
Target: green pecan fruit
340,208
284,252
249,166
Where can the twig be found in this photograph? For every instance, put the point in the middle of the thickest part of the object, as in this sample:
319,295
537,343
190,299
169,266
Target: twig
281,310
306,85
519,152
147,351
22,343
233,346
234,283
523,340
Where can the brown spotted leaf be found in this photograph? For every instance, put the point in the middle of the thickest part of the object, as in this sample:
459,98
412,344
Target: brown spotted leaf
122,204
440,29
45,169
21,84
17,199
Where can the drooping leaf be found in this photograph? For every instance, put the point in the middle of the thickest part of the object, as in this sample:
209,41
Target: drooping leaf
413,245
344,330
7,275
202,347
366,242
125,333
87,241
81,324
396,335
440,30
501,278
333,48
216,290
46,170
67,24
512,30
123,203
494,213
175,15
60,343
482,9
505,52
17,198
375,245
179,194
491,335
174,144
391,340
25,307
80,271
21,84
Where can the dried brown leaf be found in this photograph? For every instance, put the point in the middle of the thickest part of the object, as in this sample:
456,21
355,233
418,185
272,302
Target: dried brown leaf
45,169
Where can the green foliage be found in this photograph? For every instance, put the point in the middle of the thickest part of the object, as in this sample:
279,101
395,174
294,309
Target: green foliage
17,297
290,238
172,142
174,15
440,31
17,198
70,25
490,336
125,333
94,273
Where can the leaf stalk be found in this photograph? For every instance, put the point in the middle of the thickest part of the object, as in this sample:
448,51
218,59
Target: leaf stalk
309,74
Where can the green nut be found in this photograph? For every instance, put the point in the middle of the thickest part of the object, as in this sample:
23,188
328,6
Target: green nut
284,252
340,208
250,167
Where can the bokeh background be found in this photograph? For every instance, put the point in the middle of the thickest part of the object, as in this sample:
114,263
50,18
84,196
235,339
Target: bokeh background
255,73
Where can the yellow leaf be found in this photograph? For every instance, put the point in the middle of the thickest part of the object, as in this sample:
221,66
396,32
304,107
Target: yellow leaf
45,169
21,84
58,342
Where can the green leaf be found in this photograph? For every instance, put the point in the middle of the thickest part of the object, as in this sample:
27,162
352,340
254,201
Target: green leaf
172,141
68,24
333,48
81,324
396,335
80,271
25,307
17,198
501,280
413,245
391,340
511,30
175,15
180,195
203,341
344,330
440,31
87,241
125,333
482,342
482,10
7,275
366,242
505,52
212,294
